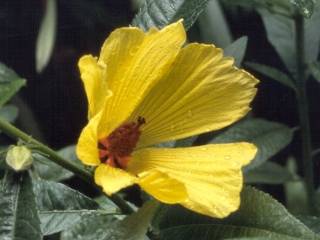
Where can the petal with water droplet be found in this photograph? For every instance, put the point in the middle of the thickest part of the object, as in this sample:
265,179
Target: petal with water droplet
201,92
94,83
135,62
213,183
112,179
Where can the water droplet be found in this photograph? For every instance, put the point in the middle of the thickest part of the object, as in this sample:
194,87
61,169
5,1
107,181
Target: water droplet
133,50
227,157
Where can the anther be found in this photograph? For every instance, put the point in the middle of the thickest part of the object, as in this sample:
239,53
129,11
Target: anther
115,150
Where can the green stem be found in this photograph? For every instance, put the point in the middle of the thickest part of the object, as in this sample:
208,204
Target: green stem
303,110
16,133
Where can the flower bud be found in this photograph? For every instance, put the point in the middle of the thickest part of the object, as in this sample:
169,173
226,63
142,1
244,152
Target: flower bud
19,158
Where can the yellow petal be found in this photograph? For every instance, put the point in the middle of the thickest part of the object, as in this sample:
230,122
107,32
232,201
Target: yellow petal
87,147
163,187
112,179
93,77
202,92
211,174
135,62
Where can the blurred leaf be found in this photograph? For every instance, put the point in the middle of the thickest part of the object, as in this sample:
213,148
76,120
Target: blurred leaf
312,35
273,73
268,173
305,7
129,229
281,34
249,238
259,216
315,70
213,25
133,227
186,142
51,171
311,222
46,36
169,144
136,4
61,207
159,13
269,137
9,113
237,50
276,6
10,83
18,213
295,191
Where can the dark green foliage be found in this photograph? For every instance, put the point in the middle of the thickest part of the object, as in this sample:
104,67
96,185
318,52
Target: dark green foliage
18,211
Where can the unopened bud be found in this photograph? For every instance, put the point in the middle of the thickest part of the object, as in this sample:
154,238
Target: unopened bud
19,158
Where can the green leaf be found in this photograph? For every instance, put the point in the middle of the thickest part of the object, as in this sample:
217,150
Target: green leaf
61,207
18,213
3,164
250,238
311,222
237,50
10,83
269,137
281,34
273,73
295,191
9,113
169,144
259,216
106,203
315,70
305,7
51,171
91,227
268,173
276,6
186,142
133,227
46,36
213,25
312,35
159,13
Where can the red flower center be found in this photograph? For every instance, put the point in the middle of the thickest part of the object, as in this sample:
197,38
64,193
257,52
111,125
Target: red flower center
115,150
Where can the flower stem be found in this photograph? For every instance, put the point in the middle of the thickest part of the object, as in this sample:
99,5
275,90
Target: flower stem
16,133
303,111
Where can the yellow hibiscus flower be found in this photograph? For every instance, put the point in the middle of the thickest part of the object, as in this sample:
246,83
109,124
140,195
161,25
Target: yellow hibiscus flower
149,88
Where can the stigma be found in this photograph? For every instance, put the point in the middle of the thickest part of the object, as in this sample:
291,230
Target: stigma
115,150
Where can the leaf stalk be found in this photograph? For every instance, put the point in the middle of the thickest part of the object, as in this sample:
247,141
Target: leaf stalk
303,111
17,134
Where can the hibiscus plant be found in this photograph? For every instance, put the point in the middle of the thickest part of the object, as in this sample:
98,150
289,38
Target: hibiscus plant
173,143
